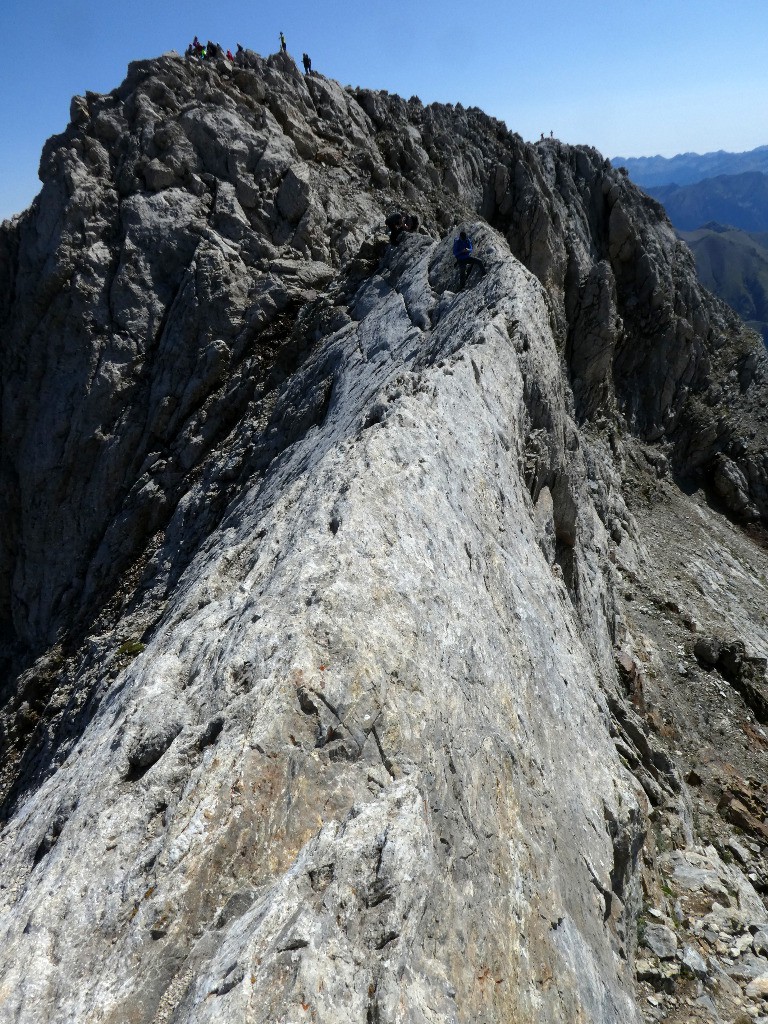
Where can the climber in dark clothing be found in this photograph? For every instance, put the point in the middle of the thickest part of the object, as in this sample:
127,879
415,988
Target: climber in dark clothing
462,250
283,47
305,60
398,223
396,226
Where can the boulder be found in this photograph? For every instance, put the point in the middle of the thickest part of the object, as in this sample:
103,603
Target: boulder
706,650
147,747
294,193
730,483
158,176
758,988
693,963
661,940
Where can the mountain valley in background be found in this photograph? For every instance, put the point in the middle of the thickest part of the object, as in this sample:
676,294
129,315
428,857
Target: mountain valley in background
733,264
688,168
718,202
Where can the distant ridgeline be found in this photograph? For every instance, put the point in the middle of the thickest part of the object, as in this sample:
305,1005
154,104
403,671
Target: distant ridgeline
688,168
719,204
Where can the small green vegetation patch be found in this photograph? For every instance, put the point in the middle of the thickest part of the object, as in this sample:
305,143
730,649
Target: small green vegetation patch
131,648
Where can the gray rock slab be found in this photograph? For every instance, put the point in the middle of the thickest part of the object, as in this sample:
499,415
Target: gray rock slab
693,962
661,940
386,742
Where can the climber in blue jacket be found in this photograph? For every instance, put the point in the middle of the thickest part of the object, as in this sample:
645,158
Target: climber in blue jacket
462,250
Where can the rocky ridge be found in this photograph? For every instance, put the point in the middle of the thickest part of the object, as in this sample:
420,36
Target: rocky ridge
328,694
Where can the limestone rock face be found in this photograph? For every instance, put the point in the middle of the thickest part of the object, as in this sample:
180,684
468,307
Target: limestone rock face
321,697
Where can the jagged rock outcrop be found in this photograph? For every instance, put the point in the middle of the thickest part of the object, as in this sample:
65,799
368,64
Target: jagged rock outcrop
314,569
157,294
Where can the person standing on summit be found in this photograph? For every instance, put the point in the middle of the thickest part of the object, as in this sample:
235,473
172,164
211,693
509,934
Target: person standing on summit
283,47
307,62
462,250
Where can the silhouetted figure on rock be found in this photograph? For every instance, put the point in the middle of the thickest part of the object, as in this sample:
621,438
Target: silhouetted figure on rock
306,61
283,47
462,250
398,223
396,226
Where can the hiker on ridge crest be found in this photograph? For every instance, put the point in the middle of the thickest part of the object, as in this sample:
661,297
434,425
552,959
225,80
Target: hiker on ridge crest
462,250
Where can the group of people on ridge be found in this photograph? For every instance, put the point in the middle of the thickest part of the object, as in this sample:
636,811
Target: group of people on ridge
212,51
305,58
397,223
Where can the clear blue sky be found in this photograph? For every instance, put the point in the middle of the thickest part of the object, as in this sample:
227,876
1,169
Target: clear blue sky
631,77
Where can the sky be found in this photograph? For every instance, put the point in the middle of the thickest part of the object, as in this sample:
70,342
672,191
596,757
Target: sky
630,77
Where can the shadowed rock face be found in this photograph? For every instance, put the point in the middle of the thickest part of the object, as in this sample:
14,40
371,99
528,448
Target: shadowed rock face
311,574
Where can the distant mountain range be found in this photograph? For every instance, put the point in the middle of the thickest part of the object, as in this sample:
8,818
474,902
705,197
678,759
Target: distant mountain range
719,204
688,168
738,200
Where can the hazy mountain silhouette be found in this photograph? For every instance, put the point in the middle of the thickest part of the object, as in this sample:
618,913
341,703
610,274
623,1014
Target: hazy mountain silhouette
739,200
688,168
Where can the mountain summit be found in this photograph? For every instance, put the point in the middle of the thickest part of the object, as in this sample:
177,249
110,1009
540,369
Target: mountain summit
374,650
